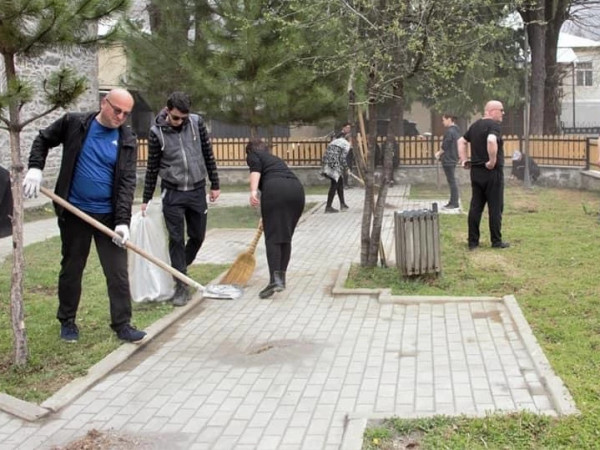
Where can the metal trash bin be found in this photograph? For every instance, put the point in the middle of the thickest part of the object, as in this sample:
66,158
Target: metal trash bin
417,236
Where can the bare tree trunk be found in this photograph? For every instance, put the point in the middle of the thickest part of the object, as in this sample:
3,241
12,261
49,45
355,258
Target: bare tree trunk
537,40
20,348
551,86
366,251
154,16
352,98
389,150
555,14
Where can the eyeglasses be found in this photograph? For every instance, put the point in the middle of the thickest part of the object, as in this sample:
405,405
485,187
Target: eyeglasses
117,111
175,118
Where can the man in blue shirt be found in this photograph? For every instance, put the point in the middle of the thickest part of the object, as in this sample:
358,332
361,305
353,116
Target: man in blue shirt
97,175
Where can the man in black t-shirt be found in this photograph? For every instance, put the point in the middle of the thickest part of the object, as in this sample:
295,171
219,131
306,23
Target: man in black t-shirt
487,173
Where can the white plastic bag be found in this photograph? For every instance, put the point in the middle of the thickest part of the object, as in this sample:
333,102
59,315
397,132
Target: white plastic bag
147,281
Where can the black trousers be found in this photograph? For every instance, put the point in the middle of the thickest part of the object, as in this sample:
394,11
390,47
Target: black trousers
451,178
487,187
336,186
184,210
278,256
76,236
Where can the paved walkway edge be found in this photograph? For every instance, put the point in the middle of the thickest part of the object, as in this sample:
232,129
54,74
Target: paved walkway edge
22,409
561,398
384,295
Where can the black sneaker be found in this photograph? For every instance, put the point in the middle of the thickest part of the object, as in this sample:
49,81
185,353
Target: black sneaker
344,207
130,334
329,209
501,245
69,332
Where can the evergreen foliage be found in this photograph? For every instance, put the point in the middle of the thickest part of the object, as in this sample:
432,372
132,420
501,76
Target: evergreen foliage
242,62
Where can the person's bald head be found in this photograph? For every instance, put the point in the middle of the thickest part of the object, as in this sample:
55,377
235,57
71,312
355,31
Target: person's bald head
115,107
494,110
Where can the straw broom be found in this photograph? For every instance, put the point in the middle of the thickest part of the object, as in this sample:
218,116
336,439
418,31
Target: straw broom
242,268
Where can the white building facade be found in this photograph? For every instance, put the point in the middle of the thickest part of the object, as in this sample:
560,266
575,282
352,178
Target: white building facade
579,59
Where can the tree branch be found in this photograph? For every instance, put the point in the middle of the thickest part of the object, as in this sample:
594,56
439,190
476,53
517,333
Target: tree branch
37,116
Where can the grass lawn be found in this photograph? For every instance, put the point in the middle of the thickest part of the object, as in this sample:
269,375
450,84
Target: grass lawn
551,269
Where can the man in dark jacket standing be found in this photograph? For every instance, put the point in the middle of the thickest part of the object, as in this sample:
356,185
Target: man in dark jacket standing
97,175
180,151
449,157
487,173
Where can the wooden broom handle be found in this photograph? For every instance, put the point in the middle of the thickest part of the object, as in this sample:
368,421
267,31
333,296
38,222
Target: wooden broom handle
254,243
100,226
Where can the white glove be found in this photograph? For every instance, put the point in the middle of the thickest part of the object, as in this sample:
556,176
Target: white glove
32,183
123,232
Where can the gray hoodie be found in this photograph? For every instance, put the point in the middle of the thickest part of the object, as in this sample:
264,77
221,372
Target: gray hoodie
182,156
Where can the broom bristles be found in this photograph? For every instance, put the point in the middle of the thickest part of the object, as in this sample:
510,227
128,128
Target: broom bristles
241,270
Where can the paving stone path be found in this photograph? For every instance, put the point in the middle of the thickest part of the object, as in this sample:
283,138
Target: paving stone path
307,368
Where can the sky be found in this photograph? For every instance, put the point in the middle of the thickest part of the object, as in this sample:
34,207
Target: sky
586,23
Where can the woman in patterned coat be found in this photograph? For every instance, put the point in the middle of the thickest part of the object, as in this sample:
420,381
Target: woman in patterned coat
334,165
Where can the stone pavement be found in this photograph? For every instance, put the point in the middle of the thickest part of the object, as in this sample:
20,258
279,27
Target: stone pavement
308,367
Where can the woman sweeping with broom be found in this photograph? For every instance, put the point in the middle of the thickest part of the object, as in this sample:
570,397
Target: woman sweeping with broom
281,203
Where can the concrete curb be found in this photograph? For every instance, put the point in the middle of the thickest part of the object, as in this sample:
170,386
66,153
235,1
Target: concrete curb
22,409
384,295
561,398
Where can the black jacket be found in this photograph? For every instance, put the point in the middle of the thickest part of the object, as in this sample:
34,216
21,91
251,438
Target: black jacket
518,168
70,131
6,204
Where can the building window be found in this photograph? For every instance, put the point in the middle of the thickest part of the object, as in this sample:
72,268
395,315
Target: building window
584,74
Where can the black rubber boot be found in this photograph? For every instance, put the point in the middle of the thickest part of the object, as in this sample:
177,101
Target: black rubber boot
279,281
182,294
269,288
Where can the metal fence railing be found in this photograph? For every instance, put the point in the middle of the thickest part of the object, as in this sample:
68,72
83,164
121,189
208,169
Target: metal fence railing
576,151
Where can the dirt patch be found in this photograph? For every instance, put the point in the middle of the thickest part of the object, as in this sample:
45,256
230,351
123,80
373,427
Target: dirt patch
411,441
523,202
494,261
104,440
266,353
494,316
43,290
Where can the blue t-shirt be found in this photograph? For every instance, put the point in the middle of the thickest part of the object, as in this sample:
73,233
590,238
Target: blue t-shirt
92,184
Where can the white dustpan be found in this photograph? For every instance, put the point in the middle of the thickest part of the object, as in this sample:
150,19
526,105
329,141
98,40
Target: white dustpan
222,291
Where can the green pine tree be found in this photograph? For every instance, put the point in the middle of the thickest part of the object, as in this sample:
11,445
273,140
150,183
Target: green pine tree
241,62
